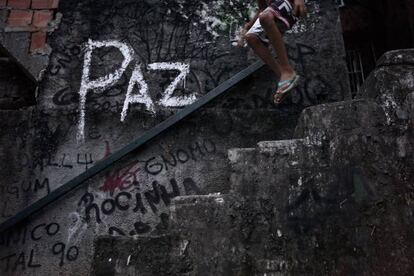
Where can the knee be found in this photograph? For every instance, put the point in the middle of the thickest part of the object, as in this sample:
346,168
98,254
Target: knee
266,18
252,39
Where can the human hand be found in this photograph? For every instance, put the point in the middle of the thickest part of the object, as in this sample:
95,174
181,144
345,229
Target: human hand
299,8
242,36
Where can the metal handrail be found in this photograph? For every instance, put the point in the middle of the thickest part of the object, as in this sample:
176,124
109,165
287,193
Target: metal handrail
145,138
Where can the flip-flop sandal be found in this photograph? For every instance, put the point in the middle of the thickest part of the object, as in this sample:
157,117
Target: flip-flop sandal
284,87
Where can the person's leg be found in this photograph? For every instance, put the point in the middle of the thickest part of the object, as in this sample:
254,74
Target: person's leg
268,22
263,53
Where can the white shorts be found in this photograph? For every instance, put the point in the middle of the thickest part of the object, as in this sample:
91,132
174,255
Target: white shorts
257,29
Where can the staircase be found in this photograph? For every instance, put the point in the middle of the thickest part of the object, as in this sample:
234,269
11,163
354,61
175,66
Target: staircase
335,200
193,191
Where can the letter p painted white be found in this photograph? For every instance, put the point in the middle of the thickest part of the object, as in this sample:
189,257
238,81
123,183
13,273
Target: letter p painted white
100,83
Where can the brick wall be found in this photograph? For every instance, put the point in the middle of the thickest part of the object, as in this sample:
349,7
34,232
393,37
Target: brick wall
31,16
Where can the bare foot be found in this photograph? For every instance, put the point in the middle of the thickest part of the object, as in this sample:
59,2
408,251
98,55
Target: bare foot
287,74
284,89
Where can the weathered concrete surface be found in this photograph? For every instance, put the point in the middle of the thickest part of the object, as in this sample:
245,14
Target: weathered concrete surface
196,148
11,157
121,256
336,201
331,120
346,212
58,115
349,216
214,252
132,198
16,90
62,80
390,84
169,31
189,249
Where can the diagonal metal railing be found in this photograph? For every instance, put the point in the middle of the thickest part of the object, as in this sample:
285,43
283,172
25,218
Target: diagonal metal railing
145,138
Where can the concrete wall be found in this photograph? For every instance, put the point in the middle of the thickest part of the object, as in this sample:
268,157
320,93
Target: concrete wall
16,89
147,46
337,200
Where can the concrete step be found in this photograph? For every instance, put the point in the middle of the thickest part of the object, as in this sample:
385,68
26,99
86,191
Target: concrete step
390,84
308,196
269,181
266,165
273,166
293,203
322,123
247,231
209,235
191,158
209,227
144,256
203,239
324,203
137,190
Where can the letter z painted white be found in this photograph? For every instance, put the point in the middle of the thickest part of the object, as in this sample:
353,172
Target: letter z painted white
169,100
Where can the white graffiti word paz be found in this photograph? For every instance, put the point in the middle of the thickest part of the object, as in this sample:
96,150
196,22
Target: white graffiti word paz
137,79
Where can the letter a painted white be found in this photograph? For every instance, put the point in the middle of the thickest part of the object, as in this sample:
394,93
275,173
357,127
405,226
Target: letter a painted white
142,97
100,83
169,100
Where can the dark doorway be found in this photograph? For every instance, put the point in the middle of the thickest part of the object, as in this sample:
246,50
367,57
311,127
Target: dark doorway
371,28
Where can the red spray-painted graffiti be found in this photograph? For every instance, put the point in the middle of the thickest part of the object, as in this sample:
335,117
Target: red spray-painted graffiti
122,179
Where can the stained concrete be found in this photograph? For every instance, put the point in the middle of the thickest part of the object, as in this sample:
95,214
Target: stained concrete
16,90
334,201
132,198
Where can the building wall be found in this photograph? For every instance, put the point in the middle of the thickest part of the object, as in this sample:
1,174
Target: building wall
82,116
16,89
33,16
